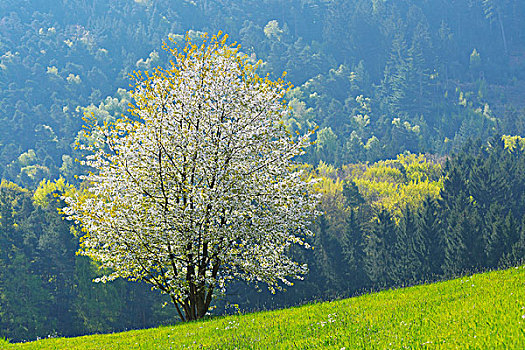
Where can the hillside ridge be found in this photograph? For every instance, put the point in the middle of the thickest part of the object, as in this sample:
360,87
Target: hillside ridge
481,311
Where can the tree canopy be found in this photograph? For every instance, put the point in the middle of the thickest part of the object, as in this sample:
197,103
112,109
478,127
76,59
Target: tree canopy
198,186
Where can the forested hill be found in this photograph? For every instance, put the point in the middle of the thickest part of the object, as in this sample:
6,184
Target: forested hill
431,74
420,151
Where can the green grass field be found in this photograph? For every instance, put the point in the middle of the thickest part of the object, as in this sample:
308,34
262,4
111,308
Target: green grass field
483,311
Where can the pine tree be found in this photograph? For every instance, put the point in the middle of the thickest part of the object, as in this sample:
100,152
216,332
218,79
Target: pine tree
453,202
354,276
429,241
407,266
501,235
395,81
517,255
23,299
379,247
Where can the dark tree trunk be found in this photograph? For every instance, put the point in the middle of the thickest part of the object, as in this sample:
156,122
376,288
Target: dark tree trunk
198,302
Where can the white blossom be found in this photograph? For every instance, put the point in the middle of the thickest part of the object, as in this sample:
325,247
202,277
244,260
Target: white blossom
199,186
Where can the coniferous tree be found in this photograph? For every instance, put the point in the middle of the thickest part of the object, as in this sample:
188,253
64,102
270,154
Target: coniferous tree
379,247
406,264
428,240
328,256
55,258
395,81
355,277
486,183
502,233
23,300
454,201
517,254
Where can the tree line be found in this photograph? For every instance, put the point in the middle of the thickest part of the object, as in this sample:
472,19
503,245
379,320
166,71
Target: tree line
463,214
475,222
374,233
45,288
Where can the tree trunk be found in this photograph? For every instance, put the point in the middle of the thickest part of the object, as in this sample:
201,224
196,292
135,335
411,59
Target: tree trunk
197,304
502,28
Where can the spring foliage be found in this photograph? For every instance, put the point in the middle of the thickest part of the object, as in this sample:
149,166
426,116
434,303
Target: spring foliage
199,186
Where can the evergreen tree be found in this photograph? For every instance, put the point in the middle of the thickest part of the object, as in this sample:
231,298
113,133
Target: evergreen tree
354,277
23,300
454,201
394,86
406,265
379,247
428,240
501,235
517,255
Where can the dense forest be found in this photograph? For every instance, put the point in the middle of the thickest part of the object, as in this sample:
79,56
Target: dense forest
411,101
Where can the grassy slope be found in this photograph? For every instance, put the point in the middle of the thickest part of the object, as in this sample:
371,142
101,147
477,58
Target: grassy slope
481,311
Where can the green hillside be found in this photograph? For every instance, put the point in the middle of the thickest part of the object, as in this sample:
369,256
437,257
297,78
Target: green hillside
483,311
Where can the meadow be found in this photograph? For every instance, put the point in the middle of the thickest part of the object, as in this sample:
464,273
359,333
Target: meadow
482,311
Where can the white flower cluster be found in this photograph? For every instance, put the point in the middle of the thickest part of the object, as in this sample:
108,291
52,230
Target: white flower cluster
199,186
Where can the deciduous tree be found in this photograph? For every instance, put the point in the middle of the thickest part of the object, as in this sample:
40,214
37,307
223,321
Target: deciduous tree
198,186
